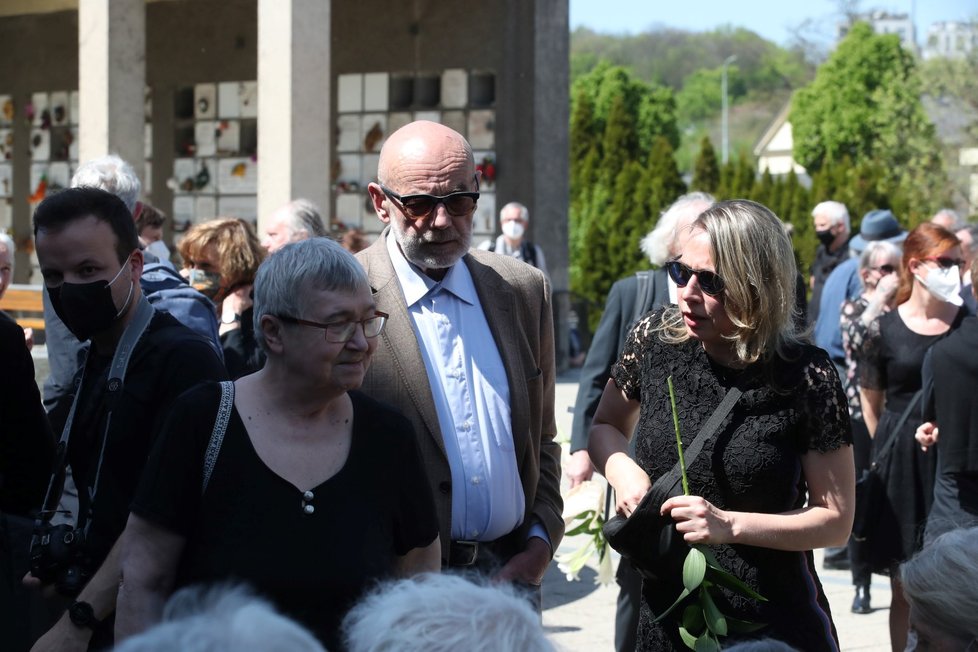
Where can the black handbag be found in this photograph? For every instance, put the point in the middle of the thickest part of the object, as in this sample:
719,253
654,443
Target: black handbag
648,539
871,485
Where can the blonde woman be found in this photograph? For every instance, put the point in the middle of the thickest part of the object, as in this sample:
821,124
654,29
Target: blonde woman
787,439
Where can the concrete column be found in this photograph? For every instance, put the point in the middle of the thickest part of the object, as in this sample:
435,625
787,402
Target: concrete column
111,79
294,109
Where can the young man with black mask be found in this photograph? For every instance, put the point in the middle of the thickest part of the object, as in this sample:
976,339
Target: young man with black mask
139,361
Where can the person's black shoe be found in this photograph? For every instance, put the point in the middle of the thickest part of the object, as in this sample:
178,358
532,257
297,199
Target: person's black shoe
836,559
860,603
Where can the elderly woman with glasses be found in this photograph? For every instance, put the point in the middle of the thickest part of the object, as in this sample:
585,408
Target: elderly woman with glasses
879,265
287,479
929,308
775,479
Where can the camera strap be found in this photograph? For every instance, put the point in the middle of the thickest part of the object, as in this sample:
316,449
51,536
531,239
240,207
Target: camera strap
117,374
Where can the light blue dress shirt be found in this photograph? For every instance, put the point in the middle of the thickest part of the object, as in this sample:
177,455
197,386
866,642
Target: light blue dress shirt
471,394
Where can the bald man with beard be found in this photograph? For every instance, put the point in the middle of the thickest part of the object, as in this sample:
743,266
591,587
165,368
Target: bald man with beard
468,357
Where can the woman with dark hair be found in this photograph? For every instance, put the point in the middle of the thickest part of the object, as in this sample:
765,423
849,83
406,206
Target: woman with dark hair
928,309
786,438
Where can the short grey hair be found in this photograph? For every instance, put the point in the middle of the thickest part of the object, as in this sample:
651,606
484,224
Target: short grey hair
876,249
222,617
304,217
952,215
442,613
524,211
8,243
835,211
112,174
941,584
285,278
657,244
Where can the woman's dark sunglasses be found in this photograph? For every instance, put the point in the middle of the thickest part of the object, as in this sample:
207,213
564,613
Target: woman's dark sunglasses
421,205
884,269
945,262
710,282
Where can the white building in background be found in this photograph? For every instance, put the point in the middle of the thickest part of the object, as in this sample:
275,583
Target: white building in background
951,39
884,22
774,151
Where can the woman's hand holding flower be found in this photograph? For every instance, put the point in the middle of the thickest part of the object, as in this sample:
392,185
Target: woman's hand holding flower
699,521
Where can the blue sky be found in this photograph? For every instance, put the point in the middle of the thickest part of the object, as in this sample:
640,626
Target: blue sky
772,19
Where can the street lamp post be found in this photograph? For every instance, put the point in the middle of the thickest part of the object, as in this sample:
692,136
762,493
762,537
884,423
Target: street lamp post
726,109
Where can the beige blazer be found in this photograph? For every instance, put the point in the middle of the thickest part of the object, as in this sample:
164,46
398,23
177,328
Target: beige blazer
516,300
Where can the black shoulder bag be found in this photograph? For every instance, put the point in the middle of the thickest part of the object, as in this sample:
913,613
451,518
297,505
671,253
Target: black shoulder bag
649,539
871,485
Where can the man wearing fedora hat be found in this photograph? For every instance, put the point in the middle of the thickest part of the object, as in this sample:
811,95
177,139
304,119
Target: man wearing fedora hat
844,284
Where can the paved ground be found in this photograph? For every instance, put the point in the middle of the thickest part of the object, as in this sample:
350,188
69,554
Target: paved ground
579,616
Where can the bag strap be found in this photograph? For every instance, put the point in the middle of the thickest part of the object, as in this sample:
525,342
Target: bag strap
114,383
665,484
888,446
217,435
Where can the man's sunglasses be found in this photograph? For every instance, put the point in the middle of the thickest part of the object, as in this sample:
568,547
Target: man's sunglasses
945,262
710,282
421,205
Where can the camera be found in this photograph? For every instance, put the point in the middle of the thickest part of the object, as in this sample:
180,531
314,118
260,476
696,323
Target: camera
57,558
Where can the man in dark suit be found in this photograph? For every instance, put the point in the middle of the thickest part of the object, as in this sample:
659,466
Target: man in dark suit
628,299
467,356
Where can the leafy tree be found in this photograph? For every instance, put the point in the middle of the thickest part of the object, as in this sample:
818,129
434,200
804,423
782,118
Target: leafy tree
665,183
616,123
701,94
864,104
706,171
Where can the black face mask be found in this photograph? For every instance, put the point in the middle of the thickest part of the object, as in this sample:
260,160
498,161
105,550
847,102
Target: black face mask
826,237
87,309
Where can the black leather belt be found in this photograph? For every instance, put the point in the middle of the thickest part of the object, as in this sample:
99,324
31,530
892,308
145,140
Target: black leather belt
463,553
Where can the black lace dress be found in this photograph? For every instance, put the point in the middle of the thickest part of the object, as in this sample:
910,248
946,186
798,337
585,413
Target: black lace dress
752,464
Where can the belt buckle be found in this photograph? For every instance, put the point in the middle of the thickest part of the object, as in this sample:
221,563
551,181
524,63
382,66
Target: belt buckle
464,553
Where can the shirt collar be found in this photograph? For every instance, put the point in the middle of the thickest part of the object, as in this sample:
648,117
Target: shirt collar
416,285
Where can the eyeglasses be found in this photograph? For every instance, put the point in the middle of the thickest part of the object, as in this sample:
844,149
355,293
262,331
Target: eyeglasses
710,282
341,332
884,269
945,262
421,205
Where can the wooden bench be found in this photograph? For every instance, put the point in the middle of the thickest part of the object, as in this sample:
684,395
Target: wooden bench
24,303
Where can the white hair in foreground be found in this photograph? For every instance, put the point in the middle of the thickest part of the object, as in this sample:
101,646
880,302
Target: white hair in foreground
442,613
221,619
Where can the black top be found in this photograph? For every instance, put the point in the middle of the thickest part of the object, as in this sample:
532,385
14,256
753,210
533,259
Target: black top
752,464
952,403
26,442
250,524
168,359
825,262
893,357
242,355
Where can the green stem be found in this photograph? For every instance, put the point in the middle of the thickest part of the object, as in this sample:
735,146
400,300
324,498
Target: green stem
679,441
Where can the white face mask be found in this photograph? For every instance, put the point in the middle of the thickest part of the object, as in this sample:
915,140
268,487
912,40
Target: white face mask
513,229
944,284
